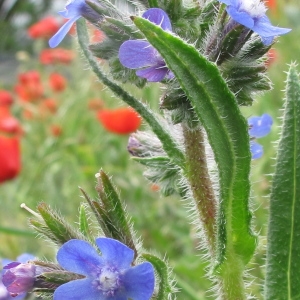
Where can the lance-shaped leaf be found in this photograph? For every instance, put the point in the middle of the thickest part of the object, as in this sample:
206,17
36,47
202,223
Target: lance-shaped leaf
283,248
227,132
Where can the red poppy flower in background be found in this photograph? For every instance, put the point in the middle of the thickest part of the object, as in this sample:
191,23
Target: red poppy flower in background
10,157
10,125
47,106
57,82
58,55
120,120
44,28
56,130
271,4
6,98
29,87
10,130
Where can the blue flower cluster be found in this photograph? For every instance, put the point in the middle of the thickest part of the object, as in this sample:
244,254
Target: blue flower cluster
258,127
139,54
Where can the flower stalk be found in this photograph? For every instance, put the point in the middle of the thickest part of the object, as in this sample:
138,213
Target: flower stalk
200,182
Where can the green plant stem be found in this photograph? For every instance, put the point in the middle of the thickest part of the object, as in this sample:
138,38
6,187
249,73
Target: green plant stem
169,144
200,182
230,280
230,277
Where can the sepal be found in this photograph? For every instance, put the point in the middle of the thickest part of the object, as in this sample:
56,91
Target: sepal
124,75
110,213
84,225
162,172
165,282
59,277
53,226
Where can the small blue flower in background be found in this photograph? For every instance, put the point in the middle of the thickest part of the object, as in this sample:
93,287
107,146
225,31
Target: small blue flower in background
139,54
252,14
258,127
73,11
109,276
4,293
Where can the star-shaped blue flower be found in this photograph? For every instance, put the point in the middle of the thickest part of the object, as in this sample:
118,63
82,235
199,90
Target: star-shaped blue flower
258,127
139,54
73,11
252,14
109,276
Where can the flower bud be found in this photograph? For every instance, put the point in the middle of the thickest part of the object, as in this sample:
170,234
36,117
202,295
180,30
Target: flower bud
19,278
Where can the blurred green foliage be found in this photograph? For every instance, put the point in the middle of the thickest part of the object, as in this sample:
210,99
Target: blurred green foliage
15,17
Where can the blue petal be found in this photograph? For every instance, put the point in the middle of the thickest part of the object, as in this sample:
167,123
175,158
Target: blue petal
230,2
119,296
115,252
73,9
153,74
79,257
240,17
62,32
135,54
25,257
139,282
256,150
265,29
260,126
158,17
78,290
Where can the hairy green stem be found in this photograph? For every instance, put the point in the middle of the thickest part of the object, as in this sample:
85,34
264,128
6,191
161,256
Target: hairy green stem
200,182
230,276
230,280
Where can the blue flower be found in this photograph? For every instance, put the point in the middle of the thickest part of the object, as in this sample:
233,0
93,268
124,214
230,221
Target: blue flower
252,14
258,127
139,54
73,11
109,276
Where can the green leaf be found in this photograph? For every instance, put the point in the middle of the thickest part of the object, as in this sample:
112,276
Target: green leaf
227,131
165,287
169,144
283,247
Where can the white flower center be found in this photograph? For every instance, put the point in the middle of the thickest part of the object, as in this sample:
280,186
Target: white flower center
255,8
108,281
